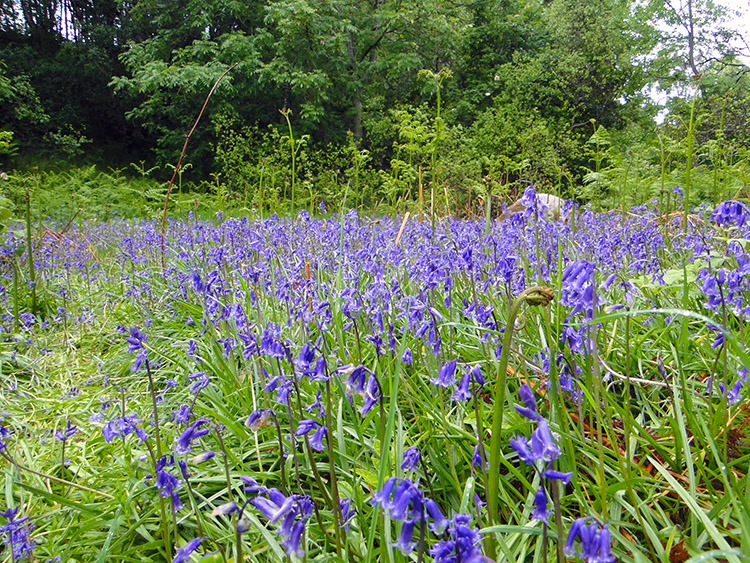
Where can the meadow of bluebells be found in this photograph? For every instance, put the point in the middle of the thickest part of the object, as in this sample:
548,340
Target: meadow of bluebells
306,388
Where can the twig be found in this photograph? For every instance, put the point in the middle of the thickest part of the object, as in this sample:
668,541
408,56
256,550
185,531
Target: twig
182,154
57,479
401,230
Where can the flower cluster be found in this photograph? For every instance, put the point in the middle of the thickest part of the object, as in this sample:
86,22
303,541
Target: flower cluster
292,511
15,533
541,448
593,541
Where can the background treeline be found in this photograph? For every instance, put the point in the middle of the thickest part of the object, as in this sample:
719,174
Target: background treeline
364,99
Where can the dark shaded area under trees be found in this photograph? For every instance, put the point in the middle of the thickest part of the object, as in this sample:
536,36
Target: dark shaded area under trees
523,86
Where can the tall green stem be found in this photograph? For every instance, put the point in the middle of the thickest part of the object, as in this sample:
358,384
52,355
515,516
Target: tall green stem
292,149
32,272
537,295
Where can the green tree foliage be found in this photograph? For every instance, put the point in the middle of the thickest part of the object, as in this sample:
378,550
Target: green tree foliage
123,80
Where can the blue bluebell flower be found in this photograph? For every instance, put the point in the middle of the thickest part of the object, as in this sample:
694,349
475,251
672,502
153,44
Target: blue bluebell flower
445,376
348,512
63,435
411,458
462,543
182,555
529,410
541,512
15,533
594,541
192,432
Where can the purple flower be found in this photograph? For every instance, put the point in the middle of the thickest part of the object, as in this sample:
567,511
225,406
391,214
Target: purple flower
563,477
405,542
462,542
200,458
306,426
478,458
292,511
316,440
136,340
16,532
201,382
527,396
183,443
730,213
348,512
594,541
411,458
355,383
168,485
406,357
439,522
63,435
224,509
541,512
521,446
259,419
542,445
445,376
182,555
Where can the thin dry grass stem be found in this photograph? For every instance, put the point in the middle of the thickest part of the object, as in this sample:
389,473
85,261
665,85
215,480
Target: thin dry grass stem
182,155
401,229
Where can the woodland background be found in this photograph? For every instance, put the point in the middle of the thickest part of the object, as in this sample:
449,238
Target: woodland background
378,96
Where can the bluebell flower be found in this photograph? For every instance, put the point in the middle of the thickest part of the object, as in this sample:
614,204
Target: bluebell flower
15,533
316,440
224,509
521,446
136,339
259,419
306,426
182,555
445,376
372,394
462,543
203,457
406,357
730,213
192,432
543,447
201,381
123,426
478,458
562,476
594,544
317,406
411,458
357,379
293,512
405,537
529,410
439,522
348,512
541,512
306,356
63,435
